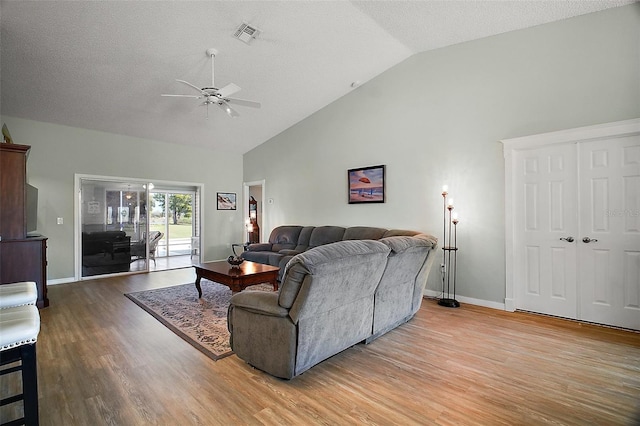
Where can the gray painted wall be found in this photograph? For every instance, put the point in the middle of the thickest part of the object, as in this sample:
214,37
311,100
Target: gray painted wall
436,119
59,152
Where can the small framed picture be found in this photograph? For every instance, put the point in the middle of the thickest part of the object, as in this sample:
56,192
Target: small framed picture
93,207
366,185
226,200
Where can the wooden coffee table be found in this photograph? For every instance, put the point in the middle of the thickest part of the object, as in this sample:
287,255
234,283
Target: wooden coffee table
236,278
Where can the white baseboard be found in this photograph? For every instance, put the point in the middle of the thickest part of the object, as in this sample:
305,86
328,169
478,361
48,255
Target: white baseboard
469,300
510,305
61,281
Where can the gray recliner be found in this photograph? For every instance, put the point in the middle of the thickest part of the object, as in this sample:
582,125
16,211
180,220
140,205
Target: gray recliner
399,294
281,238
325,305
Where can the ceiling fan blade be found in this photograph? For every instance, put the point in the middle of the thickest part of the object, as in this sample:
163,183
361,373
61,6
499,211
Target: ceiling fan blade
243,102
190,85
226,108
227,90
183,96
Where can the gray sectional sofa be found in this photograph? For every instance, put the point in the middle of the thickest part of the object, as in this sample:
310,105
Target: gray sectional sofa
331,297
288,241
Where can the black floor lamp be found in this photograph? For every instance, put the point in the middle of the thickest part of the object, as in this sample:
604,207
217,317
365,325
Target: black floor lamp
450,252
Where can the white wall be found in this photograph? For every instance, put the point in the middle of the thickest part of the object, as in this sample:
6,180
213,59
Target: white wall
59,152
437,117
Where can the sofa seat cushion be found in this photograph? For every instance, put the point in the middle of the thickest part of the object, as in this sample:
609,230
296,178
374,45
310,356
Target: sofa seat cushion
287,246
290,252
264,257
260,247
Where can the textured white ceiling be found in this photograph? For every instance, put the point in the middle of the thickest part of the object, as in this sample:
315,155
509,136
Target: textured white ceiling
102,65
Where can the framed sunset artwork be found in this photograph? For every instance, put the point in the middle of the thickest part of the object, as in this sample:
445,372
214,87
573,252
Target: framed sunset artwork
366,185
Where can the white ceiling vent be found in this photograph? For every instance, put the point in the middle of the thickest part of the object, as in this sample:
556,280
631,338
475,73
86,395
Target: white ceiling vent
246,33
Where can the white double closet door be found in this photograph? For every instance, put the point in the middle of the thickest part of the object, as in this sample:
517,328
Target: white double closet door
576,226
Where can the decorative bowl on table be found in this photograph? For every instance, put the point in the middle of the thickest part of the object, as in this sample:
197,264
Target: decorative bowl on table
235,261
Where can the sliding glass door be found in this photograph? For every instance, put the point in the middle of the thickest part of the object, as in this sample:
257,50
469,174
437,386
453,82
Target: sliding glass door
173,214
127,225
113,222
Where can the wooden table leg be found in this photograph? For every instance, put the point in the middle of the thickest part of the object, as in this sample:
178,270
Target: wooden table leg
198,285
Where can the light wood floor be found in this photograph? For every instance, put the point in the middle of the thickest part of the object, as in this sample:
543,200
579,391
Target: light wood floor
103,360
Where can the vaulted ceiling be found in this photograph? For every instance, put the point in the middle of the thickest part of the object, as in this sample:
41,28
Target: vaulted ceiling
102,65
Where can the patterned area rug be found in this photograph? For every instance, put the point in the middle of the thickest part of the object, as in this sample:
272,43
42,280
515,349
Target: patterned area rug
201,322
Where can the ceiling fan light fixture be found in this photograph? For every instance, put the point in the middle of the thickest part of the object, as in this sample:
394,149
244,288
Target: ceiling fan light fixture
246,33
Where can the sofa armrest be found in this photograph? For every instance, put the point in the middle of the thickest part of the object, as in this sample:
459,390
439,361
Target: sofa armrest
259,247
262,333
259,302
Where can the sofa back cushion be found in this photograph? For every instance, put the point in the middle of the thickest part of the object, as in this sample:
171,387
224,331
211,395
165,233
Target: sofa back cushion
399,233
404,278
97,242
363,233
407,256
284,237
104,236
322,235
399,244
334,275
395,293
303,239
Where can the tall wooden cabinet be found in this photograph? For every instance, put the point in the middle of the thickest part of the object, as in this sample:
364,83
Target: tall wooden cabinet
22,257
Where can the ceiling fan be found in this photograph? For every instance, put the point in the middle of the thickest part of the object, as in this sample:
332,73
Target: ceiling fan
214,96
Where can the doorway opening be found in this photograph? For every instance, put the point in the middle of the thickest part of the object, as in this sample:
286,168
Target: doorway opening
254,212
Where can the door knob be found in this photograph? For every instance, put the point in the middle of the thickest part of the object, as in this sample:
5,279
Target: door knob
568,239
589,240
